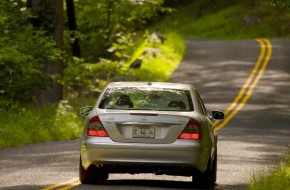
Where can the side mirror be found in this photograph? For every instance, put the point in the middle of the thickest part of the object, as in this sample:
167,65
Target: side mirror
86,110
218,115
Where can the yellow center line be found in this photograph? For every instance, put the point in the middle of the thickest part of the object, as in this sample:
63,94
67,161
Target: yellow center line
70,186
253,73
250,84
74,180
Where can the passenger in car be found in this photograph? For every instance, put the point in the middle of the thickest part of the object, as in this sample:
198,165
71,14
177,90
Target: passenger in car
124,100
177,104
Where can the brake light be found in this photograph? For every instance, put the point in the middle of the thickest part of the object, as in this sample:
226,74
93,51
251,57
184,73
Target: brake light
191,131
95,128
97,133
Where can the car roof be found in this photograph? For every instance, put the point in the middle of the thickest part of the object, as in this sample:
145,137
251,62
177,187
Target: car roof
170,85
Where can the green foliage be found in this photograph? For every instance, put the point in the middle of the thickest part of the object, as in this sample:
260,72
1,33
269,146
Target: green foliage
116,34
22,52
106,22
84,79
111,33
159,60
50,123
277,179
284,3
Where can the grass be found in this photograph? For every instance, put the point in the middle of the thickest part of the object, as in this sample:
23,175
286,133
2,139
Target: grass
229,20
277,179
50,123
159,60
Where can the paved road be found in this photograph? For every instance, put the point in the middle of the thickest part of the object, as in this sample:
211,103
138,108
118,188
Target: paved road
256,137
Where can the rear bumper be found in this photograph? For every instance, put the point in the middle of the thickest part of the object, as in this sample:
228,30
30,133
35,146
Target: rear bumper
145,158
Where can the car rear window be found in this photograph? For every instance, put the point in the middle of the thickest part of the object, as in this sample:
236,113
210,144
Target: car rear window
147,99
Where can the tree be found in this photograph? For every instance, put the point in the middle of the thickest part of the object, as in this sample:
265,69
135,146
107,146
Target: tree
22,51
49,16
72,25
104,23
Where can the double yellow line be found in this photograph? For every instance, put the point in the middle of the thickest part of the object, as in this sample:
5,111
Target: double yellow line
238,103
64,185
247,89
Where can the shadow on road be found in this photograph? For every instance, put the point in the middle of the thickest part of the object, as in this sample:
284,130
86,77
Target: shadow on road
152,185
133,185
155,184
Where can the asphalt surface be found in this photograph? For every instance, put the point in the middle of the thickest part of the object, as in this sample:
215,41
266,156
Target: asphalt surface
255,139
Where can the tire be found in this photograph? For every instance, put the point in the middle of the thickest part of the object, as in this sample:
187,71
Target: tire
207,179
92,175
86,176
214,169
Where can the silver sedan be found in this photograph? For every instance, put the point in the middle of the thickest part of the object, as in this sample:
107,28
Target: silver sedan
144,127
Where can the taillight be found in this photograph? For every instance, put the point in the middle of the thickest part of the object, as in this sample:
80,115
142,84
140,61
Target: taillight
191,131
95,128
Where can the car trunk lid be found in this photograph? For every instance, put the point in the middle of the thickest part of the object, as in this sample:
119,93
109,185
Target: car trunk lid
144,127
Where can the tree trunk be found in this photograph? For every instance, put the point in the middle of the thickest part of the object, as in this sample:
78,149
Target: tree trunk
108,27
50,14
72,25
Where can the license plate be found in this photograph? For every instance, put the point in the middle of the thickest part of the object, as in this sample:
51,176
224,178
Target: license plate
143,132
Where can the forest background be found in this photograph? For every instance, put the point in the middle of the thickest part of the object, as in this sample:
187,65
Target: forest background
57,55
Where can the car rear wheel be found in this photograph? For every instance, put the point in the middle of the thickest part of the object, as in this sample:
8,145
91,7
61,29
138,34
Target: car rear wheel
207,179
92,175
214,169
